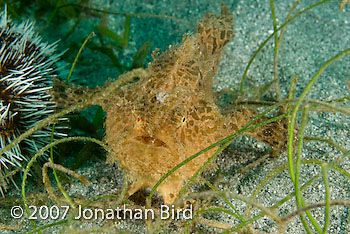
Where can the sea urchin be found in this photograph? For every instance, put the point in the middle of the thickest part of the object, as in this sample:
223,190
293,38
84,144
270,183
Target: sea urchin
26,69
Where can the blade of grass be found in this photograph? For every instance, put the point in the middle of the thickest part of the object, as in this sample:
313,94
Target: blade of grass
298,195
126,34
272,35
278,42
275,71
105,31
76,57
327,197
292,122
59,185
140,55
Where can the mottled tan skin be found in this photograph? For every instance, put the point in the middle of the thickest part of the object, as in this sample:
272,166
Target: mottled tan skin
158,122
154,124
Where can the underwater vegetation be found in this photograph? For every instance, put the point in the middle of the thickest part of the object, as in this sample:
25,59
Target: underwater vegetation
167,129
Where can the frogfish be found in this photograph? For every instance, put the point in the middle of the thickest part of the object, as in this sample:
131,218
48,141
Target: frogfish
169,112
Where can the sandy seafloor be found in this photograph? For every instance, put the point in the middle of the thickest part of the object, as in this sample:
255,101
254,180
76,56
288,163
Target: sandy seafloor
309,41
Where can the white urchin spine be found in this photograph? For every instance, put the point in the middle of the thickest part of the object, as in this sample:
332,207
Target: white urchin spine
27,67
